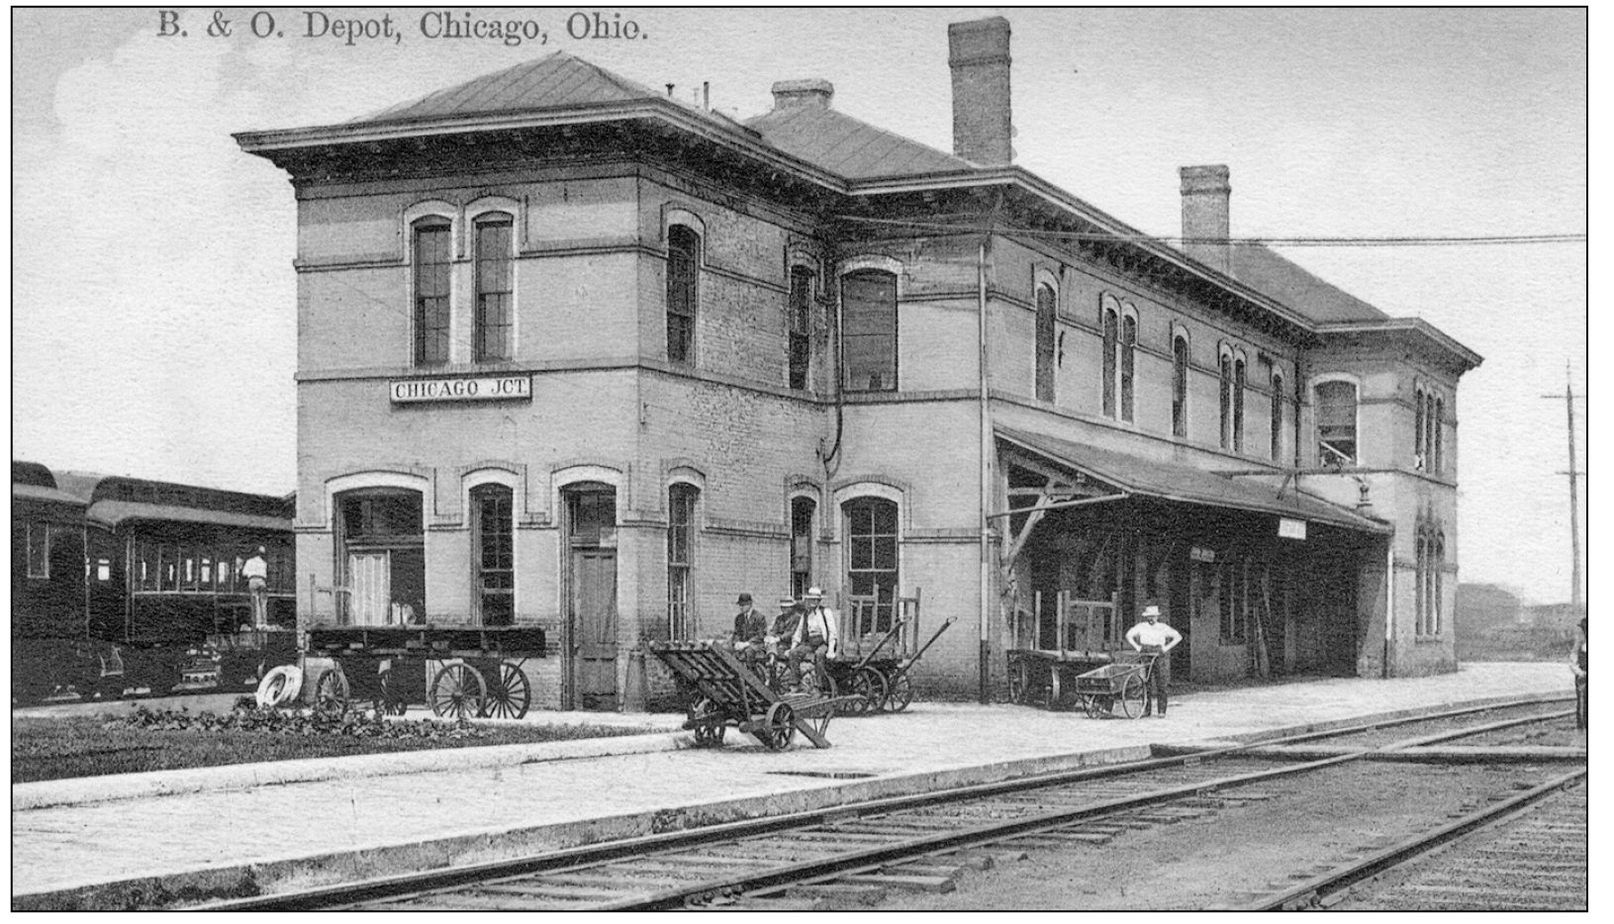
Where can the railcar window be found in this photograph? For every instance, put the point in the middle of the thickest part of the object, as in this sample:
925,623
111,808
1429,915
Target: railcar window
103,570
226,575
207,572
187,558
167,569
38,550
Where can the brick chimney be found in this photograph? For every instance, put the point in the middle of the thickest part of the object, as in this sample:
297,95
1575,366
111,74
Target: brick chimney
978,53
791,94
1205,192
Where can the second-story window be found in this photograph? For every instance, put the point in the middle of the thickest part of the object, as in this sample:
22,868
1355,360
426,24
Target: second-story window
494,309
1239,381
1420,449
801,318
1129,359
1439,464
1227,401
869,311
1277,417
680,557
683,292
1112,337
1046,307
1179,386
433,262
1336,422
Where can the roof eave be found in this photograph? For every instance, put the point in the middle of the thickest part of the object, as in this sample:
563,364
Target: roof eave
1436,337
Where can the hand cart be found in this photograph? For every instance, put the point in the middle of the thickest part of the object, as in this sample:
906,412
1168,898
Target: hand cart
723,691
458,672
877,672
1052,648
1124,684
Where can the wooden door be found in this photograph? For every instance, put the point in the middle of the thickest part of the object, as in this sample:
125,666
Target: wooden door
369,576
593,628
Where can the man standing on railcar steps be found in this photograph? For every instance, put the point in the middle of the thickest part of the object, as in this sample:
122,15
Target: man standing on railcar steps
1151,636
256,571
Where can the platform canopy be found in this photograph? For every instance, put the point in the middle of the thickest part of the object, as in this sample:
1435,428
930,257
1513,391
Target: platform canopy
1135,475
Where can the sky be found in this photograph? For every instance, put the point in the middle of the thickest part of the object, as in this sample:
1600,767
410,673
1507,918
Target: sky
154,302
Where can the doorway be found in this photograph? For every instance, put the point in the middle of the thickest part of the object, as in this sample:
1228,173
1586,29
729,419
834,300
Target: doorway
591,617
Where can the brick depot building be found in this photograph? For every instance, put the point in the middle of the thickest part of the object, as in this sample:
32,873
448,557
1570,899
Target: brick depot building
577,355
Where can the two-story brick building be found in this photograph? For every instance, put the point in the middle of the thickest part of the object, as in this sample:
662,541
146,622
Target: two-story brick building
574,354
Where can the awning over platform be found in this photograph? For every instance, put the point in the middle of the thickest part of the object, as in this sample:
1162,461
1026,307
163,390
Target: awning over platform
1185,484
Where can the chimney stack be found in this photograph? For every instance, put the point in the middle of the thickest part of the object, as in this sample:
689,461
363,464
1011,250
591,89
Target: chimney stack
791,94
978,53
1205,192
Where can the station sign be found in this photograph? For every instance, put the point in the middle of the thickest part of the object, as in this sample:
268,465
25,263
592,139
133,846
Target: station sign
480,388
1291,529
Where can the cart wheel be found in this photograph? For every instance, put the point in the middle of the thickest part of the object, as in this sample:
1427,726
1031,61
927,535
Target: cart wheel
1019,682
819,722
458,691
780,724
1053,688
899,693
870,685
391,701
510,696
332,690
1131,698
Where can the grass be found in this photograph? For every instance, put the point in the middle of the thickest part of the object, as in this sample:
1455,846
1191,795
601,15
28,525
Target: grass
51,749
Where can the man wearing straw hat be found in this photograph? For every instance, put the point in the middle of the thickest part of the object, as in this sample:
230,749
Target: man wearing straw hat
1151,636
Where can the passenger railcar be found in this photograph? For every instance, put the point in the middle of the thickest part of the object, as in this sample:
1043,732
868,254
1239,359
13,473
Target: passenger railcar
123,585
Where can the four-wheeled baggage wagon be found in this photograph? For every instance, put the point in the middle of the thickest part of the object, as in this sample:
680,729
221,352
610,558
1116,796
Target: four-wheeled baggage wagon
1049,655
879,647
457,672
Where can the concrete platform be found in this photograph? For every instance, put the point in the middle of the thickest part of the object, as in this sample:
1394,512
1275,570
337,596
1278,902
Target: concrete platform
111,843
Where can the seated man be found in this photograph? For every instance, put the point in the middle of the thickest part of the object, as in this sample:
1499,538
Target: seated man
749,628
817,636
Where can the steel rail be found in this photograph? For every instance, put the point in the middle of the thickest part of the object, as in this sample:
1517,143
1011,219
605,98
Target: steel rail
420,882
1345,876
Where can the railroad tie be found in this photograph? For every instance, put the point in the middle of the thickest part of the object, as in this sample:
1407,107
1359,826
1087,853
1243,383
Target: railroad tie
835,893
910,883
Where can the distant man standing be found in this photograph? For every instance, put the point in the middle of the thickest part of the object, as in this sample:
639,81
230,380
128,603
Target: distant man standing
1151,636
817,636
256,571
749,628
1577,664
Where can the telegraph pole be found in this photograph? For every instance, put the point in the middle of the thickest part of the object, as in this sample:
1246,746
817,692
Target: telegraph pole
1574,491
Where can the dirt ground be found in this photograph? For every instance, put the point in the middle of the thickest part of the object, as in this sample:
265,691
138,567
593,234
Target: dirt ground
1323,819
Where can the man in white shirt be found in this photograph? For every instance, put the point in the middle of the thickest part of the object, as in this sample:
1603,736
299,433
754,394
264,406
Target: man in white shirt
817,636
1151,636
256,571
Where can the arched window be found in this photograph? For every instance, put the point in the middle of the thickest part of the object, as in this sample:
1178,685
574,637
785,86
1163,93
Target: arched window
1112,338
1129,351
1047,302
802,510
869,311
1239,382
1440,428
493,554
1336,422
1227,400
1439,563
380,549
1277,416
1421,590
1420,461
871,561
433,258
680,557
495,313
1179,386
683,292
801,325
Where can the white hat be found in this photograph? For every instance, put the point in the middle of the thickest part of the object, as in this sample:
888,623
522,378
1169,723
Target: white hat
813,592
1152,609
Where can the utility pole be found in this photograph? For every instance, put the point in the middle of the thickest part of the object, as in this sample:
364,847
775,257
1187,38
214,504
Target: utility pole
1574,491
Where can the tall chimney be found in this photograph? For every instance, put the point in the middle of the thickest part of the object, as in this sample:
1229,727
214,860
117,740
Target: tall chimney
789,94
1205,192
978,53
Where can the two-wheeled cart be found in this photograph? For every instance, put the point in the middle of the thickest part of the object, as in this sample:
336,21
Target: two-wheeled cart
879,647
459,672
722,692
1053,647
1118,689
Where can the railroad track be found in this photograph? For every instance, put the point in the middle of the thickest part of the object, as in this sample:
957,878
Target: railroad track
1527,852
918,842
